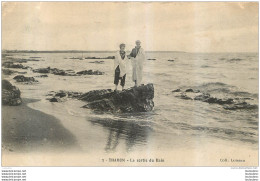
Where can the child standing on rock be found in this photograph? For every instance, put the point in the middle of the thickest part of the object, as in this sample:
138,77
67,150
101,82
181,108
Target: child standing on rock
120,66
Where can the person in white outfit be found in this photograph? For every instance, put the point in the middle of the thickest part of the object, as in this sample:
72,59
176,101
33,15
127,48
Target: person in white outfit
120,66
137,58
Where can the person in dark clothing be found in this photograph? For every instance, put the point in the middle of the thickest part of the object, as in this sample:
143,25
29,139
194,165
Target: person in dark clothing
120,66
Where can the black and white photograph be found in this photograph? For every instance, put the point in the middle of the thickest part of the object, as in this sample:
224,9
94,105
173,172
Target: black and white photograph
167,84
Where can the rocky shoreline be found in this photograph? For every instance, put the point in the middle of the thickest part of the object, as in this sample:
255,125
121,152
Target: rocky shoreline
11,95
135,99
227,103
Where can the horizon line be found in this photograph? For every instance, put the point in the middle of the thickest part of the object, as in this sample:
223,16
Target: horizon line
87,51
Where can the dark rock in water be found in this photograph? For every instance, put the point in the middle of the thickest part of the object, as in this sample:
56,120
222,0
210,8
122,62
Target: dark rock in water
109,57
184,96
62,96
202,97
177,90
136,99
212,100
74,58
44,75
235,59
12,65
54,99
21,78
171,60
61,72
8,71
228,103
42,70
242,105
98,62
90,72
10,94
56,71
189,90
96,95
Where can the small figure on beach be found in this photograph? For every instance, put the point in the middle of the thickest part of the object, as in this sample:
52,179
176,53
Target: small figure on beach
137,58
120,66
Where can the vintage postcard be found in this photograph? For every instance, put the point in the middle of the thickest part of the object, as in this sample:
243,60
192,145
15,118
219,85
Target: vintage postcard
130,83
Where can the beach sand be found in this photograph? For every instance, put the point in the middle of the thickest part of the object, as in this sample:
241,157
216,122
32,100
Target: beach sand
26,130
33,138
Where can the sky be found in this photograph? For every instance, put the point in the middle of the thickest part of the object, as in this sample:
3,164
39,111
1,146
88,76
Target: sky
161,26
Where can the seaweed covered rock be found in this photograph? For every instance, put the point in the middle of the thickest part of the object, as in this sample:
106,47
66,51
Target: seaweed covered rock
21,78
12,65
90,72
135,99
62,96
10,94
8,71
42,70
61,72
229,103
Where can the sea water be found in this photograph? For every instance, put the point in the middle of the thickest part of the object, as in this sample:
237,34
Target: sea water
174,122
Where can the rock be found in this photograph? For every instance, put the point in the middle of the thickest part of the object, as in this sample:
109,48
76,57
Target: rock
70,72
98,62
189,90
242,105
202,97
12,65
171,60
8,71
109,57
10,94
212,100
42,70
184,96
54,99
96,95
235,59
90,72
151,59
56,71
136,99
62,96
177,90
21,78
44,75
227,103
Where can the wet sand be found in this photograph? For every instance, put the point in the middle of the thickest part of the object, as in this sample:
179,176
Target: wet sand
33,138
26,130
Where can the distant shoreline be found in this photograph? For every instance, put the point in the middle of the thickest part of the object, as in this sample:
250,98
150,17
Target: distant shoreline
100,51
76,51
